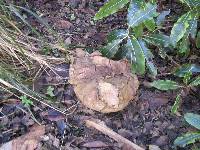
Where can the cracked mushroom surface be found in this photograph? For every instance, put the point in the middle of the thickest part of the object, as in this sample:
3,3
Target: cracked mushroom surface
102,84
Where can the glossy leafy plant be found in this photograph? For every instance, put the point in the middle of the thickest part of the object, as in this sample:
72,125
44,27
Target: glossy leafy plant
125,43
185,72
185,26
190,137
143,23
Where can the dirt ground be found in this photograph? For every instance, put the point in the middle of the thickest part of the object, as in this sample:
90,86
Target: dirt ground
147,121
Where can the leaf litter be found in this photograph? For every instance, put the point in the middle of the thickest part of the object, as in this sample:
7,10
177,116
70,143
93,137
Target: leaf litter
146,121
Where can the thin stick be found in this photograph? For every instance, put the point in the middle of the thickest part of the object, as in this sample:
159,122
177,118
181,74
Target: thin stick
107,131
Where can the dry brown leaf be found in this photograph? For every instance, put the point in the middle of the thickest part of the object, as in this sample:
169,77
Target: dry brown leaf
28,141
63,24
102,84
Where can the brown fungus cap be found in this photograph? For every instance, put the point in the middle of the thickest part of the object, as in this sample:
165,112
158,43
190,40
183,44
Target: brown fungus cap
102,84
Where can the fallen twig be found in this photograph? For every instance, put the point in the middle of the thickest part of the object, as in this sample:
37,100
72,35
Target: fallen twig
107,131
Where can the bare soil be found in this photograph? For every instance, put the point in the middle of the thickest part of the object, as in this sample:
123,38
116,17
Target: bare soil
147,121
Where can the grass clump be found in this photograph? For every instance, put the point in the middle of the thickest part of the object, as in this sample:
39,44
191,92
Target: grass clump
21,59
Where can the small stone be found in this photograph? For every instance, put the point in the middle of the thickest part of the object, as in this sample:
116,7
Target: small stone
148,125
171,127
78,21
56,142
68,41
45,138
158,123
154,147
92,22
155,132
162,140
125,133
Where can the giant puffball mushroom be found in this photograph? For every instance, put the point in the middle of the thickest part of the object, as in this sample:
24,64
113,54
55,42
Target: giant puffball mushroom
102,84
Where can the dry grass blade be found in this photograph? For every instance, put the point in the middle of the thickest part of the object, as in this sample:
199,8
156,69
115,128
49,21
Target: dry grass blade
19,54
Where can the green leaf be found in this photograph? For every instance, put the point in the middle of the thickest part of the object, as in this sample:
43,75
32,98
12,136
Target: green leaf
134,7
176,105
159,40
184,46
136,17
187,77
26,101
186,139
117,34
132,10
149,59
150,24
181,71
196,82
161,17
114,40
191,3
165,85
198,40
109,8
138,30
184,43
111,48
180,28
138,54
135,55
192,29
193,119
50,90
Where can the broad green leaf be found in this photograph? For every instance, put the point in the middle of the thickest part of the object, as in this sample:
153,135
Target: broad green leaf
184,43
187,77
193,119
196,82
114,39
138,30
198,40
117,34
135,6
180,28
176,105
121,53
192,29
135,55
140,3
184,46
181,71
165,85
148,58
186,139
135,16
111,48
191,3
161,17
158,40
132,10
150,24
109,8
